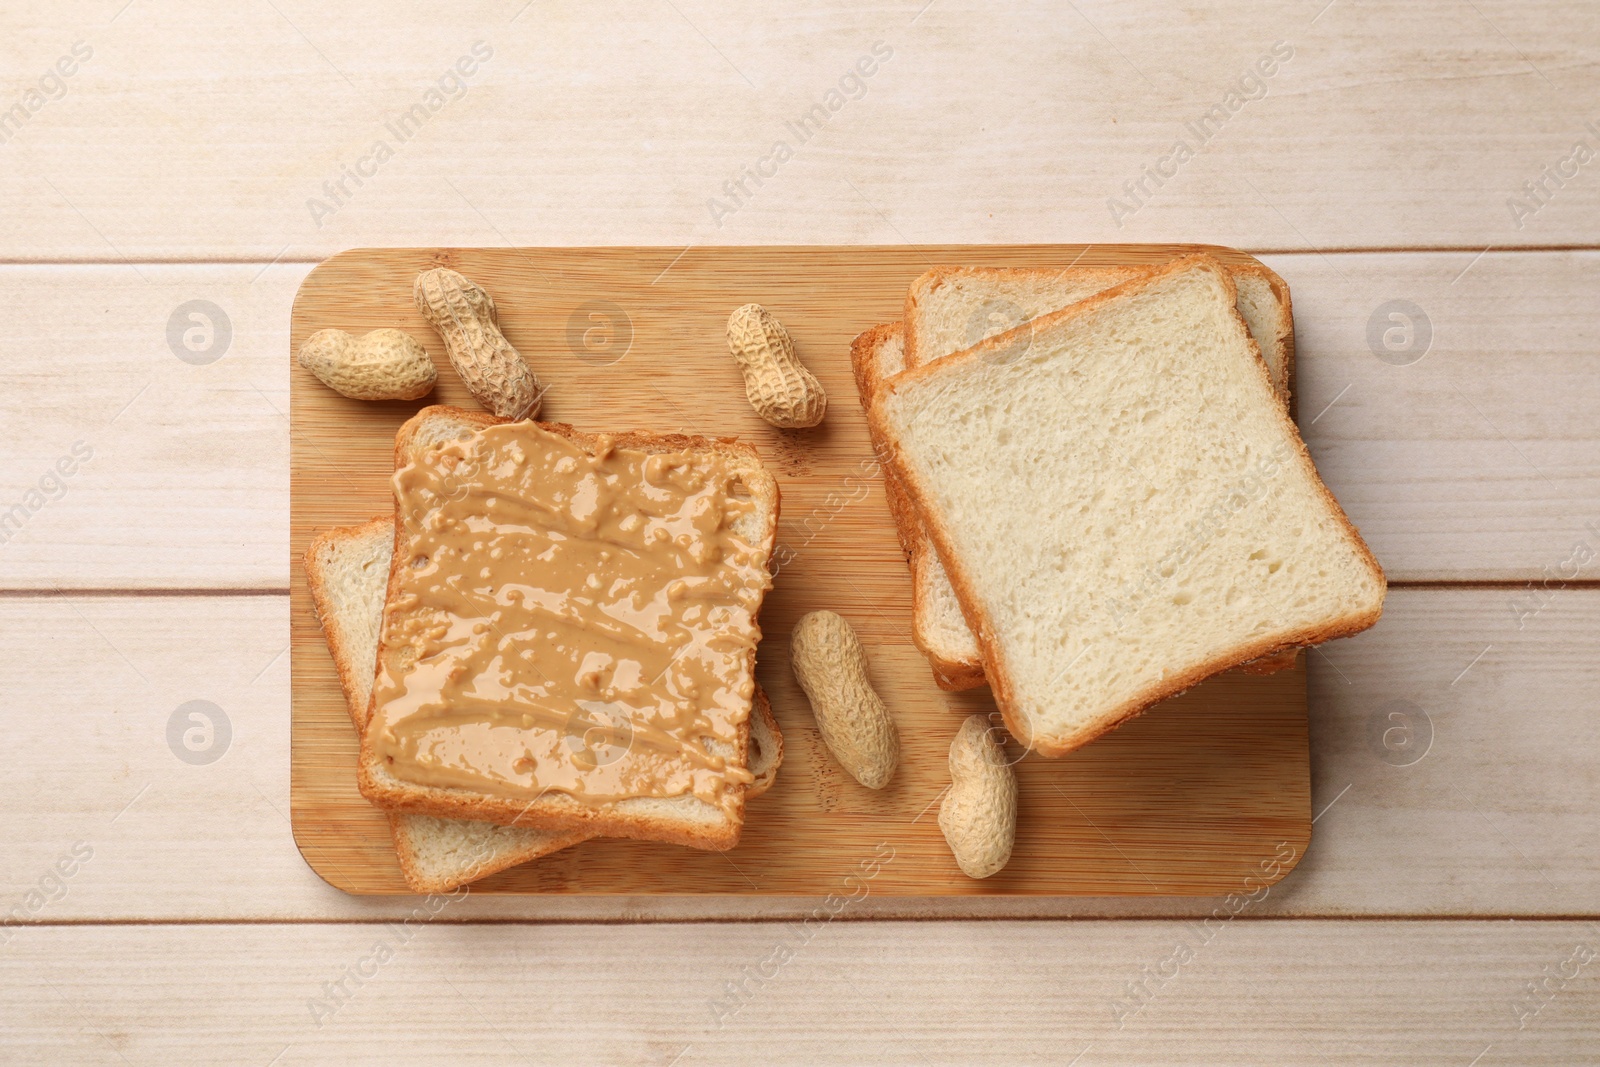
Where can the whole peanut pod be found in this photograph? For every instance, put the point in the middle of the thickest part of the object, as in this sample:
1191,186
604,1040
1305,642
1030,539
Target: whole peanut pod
494,372
979,813
381,365
781,390
855,725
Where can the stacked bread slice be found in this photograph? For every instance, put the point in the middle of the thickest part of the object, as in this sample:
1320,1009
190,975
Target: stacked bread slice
1115,498
448,837
949,309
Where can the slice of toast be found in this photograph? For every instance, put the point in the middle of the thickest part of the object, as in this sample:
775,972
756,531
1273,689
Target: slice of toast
937,628
951,308
1123,504
766,746
347,569
682,819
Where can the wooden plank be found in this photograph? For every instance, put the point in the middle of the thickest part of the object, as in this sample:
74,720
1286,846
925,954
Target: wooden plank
1495,819
1204,792
1108,993
1460,719
1480,461
1447,401
1411,125
186,483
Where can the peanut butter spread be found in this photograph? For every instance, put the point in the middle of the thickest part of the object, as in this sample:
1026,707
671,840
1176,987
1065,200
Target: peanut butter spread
569,621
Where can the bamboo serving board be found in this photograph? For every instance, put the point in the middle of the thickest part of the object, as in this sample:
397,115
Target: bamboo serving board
1205,794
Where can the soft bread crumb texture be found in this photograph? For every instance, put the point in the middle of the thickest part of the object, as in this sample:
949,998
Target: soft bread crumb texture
1128,504
952,309
940,620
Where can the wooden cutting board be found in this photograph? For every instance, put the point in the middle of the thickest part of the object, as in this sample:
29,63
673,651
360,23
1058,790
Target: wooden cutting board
1206,794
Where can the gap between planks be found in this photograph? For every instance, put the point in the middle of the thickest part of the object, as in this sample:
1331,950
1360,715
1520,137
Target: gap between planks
1299,250
283,591
773,920
146,591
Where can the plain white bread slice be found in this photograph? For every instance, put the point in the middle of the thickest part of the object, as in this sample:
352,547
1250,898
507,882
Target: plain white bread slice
952,308
1262,300
347,570
937,628
949,309
1123,504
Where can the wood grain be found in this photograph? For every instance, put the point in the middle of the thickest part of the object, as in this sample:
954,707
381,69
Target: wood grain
1305,993
1405,125
188,483
1481,461
1495,819
198,132
1205,792
1473,453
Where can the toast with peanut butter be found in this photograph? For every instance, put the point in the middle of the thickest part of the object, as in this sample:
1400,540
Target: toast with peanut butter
347,570
569,629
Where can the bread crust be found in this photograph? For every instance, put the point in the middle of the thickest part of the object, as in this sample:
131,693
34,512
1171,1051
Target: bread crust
864,365
960,673
995,666
316,564
934,277
1281,660
556,811
1285,331
405,829
766,743
954,675
950,674
869,378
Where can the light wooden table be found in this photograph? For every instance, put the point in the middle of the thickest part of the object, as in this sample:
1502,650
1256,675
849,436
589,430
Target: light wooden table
1446,913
